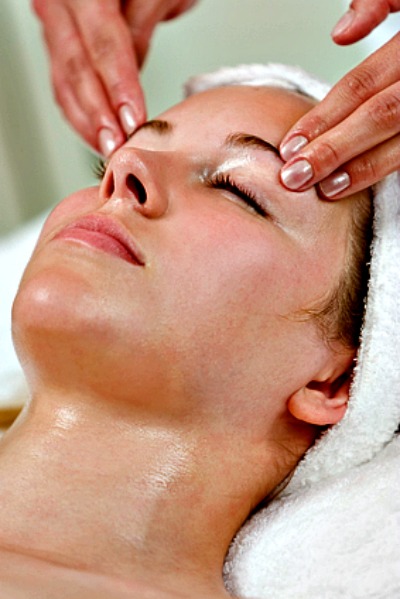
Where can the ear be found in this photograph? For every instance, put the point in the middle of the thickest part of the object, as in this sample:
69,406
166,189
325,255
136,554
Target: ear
323,400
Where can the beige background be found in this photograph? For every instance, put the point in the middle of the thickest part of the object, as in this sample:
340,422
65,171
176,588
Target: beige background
41,160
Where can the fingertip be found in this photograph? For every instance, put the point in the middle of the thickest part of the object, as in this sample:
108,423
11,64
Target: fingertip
109,138
292,146
335,184
131,109
358,22
297,175
107,141
344,25
128,119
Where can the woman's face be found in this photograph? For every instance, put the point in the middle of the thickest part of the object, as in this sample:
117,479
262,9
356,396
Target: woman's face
206,323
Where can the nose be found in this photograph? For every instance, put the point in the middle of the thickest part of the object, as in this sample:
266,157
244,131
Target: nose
136,175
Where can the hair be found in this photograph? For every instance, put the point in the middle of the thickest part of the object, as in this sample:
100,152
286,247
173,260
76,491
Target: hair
341,316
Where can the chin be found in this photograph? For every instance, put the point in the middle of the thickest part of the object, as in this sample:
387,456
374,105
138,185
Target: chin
67,334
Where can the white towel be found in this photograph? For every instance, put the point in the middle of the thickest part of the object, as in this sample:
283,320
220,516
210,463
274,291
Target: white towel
334,531
15,251
339,539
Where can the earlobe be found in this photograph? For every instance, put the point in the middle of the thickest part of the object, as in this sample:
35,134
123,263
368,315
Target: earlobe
321,402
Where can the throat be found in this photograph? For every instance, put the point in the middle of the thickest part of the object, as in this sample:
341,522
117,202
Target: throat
124,502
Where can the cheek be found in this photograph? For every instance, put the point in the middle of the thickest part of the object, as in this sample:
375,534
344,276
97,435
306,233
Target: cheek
228,287
243,268
225,305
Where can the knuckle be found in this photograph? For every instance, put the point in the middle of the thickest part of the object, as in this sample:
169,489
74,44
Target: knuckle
384,111
117,90
326,156
314,125
103,45
75,66
360,83
365,169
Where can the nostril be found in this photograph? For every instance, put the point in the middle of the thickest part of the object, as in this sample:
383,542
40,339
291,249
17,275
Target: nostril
109,185
136,187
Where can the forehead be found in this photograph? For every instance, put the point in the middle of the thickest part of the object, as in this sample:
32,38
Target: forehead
266,111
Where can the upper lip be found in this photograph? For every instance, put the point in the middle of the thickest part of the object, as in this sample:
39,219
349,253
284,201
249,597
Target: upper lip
108,226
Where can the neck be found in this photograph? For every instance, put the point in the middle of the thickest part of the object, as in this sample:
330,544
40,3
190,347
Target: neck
122,497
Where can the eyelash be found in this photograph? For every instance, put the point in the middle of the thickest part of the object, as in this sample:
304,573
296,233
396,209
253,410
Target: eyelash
99,169
225,181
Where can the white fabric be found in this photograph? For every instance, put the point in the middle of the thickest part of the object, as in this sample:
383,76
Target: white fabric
15,251
272,74
339,539
334,530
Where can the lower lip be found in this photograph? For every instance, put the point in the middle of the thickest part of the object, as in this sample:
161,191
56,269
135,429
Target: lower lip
99,240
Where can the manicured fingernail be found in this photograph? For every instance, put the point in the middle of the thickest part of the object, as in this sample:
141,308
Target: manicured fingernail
297,174
334,184
344,23
127,119
294,145
107,142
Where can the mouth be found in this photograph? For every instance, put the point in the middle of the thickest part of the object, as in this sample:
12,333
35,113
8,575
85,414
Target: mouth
105,234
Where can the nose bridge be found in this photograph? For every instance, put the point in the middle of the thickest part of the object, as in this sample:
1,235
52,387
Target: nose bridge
135,175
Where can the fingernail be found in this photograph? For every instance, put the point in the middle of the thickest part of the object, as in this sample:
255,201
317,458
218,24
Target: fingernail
334,184
127,119
297,174
107,142
291,147
344,23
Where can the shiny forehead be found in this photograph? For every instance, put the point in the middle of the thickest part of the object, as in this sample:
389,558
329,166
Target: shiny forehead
265,111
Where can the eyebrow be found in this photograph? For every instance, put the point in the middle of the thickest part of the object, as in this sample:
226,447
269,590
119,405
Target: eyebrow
157,125
241,140
245,140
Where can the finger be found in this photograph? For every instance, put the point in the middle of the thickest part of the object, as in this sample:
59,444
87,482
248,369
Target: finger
362,17
374,74
75,115
179,8
73,77
373,123
109,45
364,171
143,17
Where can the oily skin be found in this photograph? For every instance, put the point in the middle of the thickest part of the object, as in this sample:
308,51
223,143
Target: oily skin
159,388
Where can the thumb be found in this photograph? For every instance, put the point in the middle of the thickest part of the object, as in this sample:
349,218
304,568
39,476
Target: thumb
361,18
143,16
179,8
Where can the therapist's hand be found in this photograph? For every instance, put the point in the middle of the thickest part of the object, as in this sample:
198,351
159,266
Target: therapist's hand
352,138
96,48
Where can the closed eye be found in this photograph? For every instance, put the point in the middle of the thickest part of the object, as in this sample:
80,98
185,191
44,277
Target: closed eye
224,181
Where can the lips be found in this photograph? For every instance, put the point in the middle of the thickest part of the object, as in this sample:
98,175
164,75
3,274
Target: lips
105,234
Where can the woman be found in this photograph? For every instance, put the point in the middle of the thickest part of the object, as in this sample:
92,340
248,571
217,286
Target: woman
186,329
